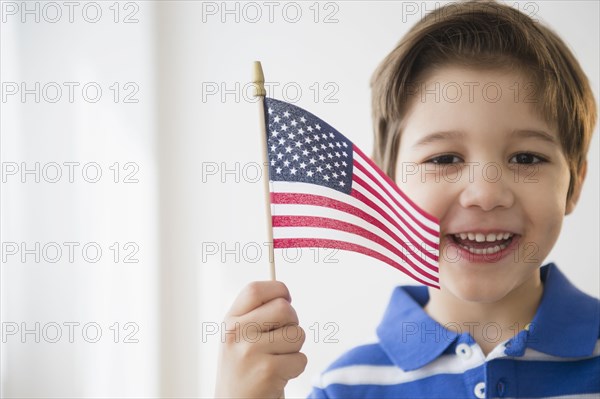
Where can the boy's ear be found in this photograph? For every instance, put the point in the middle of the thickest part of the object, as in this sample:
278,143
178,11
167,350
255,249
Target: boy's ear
571,202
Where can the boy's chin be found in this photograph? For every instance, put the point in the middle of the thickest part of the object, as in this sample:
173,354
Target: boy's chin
476,294
473,289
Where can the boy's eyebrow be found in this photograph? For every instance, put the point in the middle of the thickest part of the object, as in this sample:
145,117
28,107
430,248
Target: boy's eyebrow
437,136
538,134
454,135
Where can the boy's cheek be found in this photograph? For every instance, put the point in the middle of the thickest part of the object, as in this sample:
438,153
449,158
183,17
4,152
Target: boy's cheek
433,197
544,192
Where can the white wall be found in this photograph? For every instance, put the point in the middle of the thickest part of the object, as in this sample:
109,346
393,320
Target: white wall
178,212
107,291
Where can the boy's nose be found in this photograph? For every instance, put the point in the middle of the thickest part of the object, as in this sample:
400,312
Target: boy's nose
487,191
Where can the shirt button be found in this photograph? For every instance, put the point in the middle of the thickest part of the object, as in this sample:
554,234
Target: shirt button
480,390
464,351
501,388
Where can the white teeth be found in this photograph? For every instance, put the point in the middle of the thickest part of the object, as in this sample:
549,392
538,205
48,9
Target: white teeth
486,251
480,237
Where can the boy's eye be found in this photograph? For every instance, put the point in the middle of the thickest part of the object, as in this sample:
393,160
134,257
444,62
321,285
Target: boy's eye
444,159
526,158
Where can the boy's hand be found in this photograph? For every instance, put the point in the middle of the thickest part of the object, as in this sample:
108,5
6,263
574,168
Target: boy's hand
261,350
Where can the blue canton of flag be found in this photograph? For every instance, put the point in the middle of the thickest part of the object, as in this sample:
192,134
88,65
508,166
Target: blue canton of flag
304,148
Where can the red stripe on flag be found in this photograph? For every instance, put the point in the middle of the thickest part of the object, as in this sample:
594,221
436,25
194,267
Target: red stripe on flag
394,186
362,198
343,245
318,200
370,189
378,183
321,222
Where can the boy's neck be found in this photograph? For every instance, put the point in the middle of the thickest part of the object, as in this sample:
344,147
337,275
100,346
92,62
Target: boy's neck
511,313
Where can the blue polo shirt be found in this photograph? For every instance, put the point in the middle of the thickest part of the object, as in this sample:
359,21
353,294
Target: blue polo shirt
556,355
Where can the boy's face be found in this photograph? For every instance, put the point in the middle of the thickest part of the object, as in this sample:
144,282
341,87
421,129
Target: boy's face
482,161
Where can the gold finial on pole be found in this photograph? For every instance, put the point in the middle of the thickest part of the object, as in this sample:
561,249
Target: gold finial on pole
259,80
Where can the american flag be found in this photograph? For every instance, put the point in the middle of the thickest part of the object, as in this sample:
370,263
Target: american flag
326,193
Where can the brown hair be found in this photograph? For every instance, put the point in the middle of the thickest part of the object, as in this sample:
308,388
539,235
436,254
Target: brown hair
485,34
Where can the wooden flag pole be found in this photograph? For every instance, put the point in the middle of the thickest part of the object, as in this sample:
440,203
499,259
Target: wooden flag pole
260,93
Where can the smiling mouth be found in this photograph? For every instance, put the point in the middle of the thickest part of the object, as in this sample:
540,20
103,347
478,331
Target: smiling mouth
483,244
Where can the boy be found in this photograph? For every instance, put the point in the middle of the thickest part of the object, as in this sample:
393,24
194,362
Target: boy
497,115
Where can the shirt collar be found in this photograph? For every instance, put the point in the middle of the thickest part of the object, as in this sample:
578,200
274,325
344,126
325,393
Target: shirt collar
407,334
566,324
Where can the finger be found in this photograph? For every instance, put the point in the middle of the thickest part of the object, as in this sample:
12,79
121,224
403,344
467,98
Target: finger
291,365
274,314
256,294
284,340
